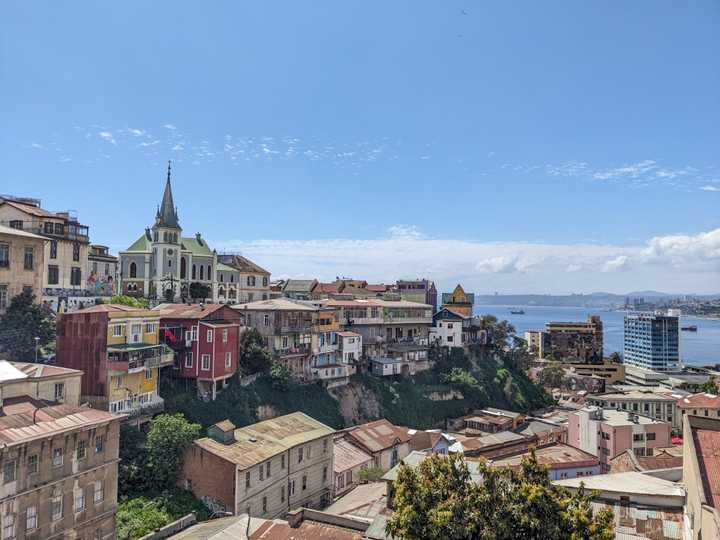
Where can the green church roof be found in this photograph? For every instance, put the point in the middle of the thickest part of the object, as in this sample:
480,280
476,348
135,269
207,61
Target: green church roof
142,244
196,247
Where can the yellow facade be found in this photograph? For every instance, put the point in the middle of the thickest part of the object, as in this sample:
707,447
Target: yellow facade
459,302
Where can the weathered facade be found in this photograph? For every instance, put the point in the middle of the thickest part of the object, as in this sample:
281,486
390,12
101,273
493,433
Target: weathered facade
21,263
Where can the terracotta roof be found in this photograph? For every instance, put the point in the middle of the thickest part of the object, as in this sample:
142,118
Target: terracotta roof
242,264
707,446
328,287
556,456
379,302
424,440
11,231
24,419
191,311
380,287
347,456
31,209
308,530
275,304
662,458
379,435
38,371
699,401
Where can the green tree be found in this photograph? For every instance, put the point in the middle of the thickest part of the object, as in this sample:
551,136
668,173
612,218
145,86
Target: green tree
140,516
24,321
553,376
280,376
140,303
615,358
370,474
253,355
199,291
169,436
131,469
708,387
459,378
438,500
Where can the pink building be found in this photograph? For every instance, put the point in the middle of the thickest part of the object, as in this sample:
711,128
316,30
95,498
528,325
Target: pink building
607,433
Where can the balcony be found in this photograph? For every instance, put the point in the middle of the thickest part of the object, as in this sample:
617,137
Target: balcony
302,349
132,358
70,230
139,405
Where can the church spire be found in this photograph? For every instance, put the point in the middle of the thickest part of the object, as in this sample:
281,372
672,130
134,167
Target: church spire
167,214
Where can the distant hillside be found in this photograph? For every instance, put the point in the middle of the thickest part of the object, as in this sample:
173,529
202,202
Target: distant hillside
594,300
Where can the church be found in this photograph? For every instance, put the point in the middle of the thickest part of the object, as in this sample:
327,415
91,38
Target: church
164,266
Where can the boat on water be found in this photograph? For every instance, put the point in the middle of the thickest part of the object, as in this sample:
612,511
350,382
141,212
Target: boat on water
517,312
691,328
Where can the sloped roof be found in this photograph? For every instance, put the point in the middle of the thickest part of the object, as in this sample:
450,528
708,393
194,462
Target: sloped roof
379,435
196,247
275,304
20,233
243,264
299,285
556,456
707,447
626,482
105,308
448,314
347,456
30,209
335,287
222,267
662,458
188,311
142,244
699,401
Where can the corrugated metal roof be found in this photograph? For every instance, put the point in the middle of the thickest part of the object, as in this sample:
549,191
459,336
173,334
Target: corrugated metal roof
379,435
347,456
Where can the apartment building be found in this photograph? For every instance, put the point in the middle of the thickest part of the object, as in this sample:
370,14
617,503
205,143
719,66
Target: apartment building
385,442
66,251
605,433
562,461
205,340
265,469
574,342
421,291
299,289
660,406
102,271
389,328
59,460
40,382
119,351
240,280
348,461
652,341
610,371
447,329
22,258
701,466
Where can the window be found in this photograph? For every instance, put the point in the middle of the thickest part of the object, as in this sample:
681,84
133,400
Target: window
9,471
148,374
202,272
57,457
59,391
209,273
282,461
650,437
265,281
76,252
348,478
193,333
8,529
98,492
79,500
247,480
267,469
107,269
193,272
31,518
29,256
266,320
117,330
300,454
224,335
53,274
228,359
16,224
282,494
3,296
32,464
251,281
99,444
205,362
324,474
183,268
638,437
304,483
133,270
291,487
209,336
188,359
75,276
149,328
605,436
325,446
4,256
57,506
81,450
264,504
261,473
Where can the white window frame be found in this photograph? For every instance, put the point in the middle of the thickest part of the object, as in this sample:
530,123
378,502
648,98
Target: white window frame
31,518
209,335
205,358
117,330
224,335
79,500
228,359
60,454
98,492
189,359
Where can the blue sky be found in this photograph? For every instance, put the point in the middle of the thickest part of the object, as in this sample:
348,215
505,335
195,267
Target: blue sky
518,147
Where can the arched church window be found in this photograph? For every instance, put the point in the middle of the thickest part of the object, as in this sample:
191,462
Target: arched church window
133,270
202,272
193,272
183,268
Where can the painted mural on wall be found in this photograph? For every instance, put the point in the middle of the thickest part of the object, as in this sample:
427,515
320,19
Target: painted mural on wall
100,285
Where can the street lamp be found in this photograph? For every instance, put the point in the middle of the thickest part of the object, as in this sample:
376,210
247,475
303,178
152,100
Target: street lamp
37,342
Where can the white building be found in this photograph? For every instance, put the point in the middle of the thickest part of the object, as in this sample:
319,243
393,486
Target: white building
447,329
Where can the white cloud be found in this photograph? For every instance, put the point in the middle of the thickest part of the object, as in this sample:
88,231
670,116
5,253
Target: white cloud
710,188
621,262
37,146
574,267
634,170
107,136
178,147
151,143
136,132
499,265
169,126
404,231
682,250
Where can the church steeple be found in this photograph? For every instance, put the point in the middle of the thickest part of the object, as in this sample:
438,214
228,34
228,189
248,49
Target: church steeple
167,213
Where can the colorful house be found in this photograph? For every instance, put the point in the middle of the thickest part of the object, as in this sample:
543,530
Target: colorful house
459,301
119,350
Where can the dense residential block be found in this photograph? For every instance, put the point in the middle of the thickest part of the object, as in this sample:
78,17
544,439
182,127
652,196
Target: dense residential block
66,250
119,350
21,263
575,342
240,280
422,291
265,469
59,460
658,405
385,442
701,476
205,340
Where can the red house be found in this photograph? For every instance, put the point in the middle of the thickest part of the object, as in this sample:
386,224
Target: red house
205,340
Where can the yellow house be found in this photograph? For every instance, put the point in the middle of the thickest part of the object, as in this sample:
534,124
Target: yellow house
120,350
459,301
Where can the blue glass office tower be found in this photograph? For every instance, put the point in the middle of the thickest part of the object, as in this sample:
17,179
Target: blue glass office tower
652,341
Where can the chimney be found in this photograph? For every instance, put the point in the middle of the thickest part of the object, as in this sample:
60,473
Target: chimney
295,518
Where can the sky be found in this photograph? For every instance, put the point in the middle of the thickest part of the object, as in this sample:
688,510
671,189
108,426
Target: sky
517,147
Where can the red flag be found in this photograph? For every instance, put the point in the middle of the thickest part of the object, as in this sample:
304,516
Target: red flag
169,335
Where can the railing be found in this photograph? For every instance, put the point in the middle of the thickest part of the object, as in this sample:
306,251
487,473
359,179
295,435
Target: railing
141,404
122,361
65,231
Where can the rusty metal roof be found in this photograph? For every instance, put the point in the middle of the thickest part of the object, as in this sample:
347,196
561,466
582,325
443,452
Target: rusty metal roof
707,446
347,456
24,419
379,435
258,442
556,456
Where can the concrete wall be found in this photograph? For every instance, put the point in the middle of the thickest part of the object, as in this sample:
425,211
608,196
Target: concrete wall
15,277
44,388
